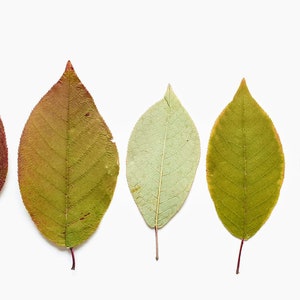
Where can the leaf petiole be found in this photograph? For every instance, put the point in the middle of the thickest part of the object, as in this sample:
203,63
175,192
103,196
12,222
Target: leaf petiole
239,258
156,242
73,258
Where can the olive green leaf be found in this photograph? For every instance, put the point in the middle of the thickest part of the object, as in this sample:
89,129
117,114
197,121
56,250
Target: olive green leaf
245,166
162,159
3,156
67,164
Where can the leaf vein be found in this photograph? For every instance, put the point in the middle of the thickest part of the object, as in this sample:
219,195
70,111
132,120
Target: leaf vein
47,142
239,168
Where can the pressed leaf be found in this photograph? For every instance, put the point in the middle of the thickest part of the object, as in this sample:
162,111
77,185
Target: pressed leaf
162,158
68,164
245,166
3,156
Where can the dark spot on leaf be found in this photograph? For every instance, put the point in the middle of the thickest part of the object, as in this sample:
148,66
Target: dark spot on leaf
82,218
87,114
135,189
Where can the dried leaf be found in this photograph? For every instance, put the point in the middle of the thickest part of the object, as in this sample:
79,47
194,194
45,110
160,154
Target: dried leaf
245,166
3,156
162,158
68,164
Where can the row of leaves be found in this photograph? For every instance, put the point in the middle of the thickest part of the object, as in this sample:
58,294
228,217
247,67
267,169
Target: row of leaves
68,165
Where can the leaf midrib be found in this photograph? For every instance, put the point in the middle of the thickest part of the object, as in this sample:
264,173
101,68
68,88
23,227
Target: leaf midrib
67,200
162,166
245,166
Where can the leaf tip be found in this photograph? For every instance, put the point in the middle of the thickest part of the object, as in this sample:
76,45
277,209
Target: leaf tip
243,87
169,90
168,94
69,66
243,83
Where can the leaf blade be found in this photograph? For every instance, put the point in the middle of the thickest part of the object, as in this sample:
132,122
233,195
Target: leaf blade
160,142
245,165
67,164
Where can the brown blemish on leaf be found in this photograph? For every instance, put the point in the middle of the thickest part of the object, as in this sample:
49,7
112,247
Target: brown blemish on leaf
135,189
82,218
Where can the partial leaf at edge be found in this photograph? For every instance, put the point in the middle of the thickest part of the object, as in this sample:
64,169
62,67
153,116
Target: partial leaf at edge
3,156
162,159
68,164
245,165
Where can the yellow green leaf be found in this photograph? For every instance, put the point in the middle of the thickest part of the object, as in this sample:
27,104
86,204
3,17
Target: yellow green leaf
68,164
162,159
245,166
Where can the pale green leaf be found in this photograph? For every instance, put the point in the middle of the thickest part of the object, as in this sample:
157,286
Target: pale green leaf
245,165
162,158
68,164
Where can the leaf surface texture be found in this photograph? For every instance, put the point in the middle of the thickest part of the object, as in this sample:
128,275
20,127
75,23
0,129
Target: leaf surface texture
162,158
245,165
67,164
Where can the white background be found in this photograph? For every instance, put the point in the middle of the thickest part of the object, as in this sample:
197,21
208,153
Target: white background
125,53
